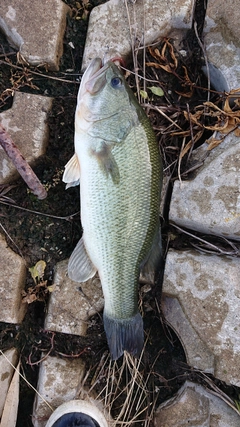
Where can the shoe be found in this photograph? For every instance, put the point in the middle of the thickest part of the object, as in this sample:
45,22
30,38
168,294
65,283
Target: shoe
77,413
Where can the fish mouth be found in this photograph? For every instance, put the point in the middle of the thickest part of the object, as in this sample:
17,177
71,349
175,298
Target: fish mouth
94,78
93,69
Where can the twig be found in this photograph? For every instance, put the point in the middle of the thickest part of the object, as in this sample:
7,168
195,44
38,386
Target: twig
21,164
205,58
65,218
215,248
38,74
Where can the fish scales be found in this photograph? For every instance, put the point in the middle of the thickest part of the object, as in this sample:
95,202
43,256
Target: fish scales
120,231
120,195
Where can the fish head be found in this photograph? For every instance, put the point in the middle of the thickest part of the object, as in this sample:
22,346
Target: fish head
106,105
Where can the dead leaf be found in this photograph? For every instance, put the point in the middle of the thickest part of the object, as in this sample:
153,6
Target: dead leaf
164,67
37,292
213,143
10,410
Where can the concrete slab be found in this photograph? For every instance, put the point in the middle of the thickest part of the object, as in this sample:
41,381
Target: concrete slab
195,406
26,122
59,380
71,304
197,352
12,282
222,35
211,202
140,22
207,288
36,29
6,373
225,14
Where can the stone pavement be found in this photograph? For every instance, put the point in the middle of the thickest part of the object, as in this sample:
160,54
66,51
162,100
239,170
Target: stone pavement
201,297
35,29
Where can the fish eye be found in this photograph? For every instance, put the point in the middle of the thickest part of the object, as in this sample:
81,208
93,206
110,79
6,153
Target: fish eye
116,82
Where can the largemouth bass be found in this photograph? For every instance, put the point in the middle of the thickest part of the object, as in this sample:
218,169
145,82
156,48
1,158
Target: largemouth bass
118,165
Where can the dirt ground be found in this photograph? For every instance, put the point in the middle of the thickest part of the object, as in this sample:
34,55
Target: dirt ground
49,230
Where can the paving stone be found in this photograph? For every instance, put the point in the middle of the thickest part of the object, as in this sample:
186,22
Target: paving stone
12,282
196,350
36,29
222,35
207,288
59,380
6,373
26,122
71,304
195,406
225,14
157,18
211,202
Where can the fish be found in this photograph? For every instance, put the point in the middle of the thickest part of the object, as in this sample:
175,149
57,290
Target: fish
118,165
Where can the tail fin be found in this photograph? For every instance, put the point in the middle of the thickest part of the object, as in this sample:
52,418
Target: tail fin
124,334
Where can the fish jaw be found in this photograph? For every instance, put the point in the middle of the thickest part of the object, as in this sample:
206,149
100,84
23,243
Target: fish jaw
94,66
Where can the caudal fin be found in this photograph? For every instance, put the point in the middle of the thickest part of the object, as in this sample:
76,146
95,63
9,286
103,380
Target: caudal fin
124,334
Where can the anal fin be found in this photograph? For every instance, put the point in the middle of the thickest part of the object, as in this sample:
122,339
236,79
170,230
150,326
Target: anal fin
71,175
80,267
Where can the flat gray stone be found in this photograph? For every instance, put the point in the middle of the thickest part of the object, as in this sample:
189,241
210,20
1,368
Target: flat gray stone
222,35
195,406
69,308
12,282
58,382
127,24
35,29
197,352
6,373
207,288
211,202
225,14
26,123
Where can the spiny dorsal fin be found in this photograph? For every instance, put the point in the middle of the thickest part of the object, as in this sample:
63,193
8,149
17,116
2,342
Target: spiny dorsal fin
80,267
72,172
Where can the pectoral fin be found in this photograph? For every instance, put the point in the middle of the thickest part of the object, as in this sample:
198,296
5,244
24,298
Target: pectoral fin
72,172
80,267
107,162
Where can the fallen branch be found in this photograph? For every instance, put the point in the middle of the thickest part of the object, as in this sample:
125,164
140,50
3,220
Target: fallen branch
21,164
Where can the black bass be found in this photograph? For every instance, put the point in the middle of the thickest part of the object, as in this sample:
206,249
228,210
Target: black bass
118,165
